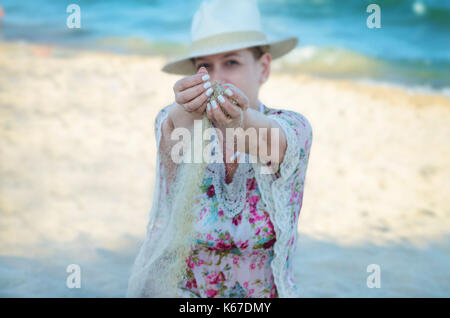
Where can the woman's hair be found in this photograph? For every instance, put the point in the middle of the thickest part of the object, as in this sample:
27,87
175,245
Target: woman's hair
257,52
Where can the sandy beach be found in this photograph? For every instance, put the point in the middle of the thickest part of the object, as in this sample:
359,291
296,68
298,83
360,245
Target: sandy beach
77,165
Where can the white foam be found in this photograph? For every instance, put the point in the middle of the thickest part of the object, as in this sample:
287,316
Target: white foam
419,8
422,89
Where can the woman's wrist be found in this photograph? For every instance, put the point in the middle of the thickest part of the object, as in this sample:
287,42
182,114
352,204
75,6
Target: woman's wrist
182,118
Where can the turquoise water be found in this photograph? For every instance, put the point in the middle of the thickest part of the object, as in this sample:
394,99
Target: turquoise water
411,48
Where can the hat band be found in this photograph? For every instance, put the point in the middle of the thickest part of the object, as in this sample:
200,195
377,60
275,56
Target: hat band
226,39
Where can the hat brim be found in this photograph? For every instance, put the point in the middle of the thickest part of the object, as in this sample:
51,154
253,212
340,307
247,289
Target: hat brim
184,66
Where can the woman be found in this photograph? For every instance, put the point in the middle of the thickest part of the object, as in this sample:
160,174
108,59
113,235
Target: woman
240,225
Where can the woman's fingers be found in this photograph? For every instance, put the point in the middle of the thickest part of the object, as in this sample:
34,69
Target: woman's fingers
233,110
209,112
191,80
190,88
235,93
198,104
191,93
218,115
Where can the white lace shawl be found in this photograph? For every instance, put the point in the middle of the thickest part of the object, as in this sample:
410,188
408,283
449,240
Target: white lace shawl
282,192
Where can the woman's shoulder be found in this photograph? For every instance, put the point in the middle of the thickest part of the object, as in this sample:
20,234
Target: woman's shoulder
165,110
162,114
294,118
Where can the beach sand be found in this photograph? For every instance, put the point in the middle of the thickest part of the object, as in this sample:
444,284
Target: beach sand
78,161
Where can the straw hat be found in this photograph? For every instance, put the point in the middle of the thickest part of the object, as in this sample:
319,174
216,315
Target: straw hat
226,25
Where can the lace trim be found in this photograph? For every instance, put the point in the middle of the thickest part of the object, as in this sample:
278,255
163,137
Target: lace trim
279,209
231,196
291,157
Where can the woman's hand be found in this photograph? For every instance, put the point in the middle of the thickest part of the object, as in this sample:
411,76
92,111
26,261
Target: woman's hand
238,115
191,93
236,112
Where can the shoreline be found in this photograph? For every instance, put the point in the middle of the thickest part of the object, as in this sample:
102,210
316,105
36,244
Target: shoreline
276,69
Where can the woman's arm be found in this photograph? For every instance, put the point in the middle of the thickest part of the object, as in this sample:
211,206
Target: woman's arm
265,128
259,136
264,133
176,117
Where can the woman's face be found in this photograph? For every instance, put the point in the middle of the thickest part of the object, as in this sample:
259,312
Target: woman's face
238,68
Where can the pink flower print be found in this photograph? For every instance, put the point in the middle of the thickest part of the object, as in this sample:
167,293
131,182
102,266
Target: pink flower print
214,278
237,219
220,212
235,260
252,266
211,293
227,236
209,237
191,283
251,220
252,204
251,184
269,244
292,198
270,226
254,200
256,216
244,245
272,293
210,191
245,284
257,231
204,211
189,262
221,246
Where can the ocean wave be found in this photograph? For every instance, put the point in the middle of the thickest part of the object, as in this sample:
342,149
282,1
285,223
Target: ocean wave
339,62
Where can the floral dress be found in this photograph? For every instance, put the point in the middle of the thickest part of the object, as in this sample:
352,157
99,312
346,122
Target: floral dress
246,231
233,253
235,241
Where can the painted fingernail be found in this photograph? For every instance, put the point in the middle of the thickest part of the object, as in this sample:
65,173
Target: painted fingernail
221,99
214,104
209,91
229,92
208,106
205,77
207,84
